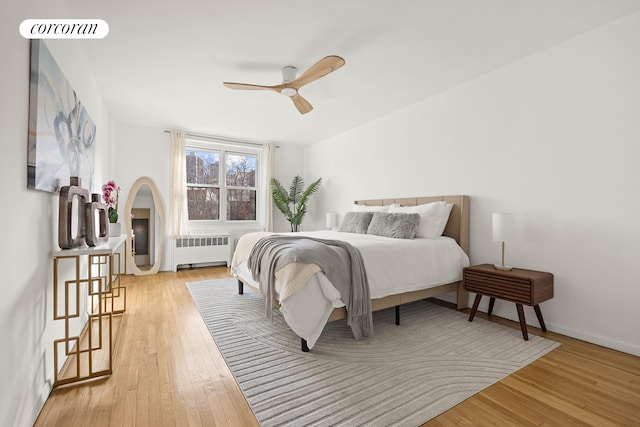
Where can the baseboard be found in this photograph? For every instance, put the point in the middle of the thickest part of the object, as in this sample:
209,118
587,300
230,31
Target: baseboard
630,348
45,391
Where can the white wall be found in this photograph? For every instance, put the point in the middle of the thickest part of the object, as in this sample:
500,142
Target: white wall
289,162
27,330
144,151
555,138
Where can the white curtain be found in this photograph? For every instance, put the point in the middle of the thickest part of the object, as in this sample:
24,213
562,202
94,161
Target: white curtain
269,154
178,210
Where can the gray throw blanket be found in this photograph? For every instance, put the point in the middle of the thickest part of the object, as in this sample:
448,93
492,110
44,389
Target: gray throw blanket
340,262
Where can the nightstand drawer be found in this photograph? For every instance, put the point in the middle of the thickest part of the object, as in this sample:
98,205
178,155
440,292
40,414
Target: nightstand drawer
511,289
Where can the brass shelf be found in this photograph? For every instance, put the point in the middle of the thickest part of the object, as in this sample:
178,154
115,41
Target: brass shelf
89,354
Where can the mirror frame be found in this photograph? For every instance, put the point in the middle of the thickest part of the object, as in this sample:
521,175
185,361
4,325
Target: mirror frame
159,207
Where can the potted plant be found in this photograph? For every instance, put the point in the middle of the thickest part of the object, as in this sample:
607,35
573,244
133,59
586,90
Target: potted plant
111,196
293,204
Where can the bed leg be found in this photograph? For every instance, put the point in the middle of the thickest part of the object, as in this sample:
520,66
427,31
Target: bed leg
303,345
398,315
240,287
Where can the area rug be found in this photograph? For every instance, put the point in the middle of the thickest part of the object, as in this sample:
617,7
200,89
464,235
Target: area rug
404,375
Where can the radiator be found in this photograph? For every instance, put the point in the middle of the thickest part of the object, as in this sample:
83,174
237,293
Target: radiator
202,250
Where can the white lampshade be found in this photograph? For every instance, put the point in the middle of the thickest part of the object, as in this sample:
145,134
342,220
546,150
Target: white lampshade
503,227
330,220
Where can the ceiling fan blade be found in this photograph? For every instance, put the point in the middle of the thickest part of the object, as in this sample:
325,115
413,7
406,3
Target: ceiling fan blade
246,86
321,68
301,104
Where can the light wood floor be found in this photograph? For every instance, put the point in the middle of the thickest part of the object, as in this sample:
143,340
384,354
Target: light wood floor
168,371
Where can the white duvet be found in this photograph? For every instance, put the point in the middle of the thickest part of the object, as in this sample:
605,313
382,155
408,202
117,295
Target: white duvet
393,266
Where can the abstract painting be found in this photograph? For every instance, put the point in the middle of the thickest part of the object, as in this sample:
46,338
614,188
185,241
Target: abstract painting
61,133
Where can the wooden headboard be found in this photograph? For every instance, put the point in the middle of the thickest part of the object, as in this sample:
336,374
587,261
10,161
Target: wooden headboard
458,226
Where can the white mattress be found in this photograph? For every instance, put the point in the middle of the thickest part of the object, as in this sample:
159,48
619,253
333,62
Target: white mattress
393,266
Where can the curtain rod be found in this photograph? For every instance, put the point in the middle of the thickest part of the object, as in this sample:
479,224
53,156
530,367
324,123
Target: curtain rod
221,138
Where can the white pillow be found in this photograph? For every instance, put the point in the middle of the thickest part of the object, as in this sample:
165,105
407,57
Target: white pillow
365,208
433,217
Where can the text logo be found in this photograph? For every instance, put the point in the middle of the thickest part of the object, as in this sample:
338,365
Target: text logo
64,29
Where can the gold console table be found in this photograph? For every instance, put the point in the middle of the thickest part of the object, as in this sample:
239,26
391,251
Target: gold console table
90,353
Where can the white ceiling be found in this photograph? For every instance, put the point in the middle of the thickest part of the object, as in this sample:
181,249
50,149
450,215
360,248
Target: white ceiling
164,61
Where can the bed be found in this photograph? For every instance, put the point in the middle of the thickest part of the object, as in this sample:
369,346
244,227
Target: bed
395,278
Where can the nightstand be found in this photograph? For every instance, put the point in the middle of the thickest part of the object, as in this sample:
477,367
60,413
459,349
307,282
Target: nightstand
518,285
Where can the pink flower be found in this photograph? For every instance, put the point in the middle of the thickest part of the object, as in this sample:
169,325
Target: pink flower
110,195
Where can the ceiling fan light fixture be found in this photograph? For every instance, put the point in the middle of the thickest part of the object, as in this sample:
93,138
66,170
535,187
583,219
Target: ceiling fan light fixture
292,84
288,91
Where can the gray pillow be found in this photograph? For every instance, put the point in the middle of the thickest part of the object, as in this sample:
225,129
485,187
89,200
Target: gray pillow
355,222
396,225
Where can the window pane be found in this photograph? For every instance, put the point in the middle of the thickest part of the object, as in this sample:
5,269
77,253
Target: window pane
241,205
203,202
241,170
203,167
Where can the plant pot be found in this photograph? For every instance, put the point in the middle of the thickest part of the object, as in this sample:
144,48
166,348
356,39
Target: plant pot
115,229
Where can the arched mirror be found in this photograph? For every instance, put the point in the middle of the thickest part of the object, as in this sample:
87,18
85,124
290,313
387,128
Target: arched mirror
145,221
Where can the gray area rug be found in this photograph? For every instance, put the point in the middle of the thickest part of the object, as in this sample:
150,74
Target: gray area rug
405,375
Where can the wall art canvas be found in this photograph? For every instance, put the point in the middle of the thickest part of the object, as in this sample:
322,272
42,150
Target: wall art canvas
61,133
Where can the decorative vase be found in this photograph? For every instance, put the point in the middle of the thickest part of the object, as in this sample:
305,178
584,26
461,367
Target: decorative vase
71,227
115,229
96,230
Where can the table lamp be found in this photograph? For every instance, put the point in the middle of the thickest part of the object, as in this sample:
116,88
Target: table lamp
330,221
503,227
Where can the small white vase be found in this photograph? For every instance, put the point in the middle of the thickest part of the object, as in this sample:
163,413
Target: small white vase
115,229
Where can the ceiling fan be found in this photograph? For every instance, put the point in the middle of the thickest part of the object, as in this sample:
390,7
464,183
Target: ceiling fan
291,85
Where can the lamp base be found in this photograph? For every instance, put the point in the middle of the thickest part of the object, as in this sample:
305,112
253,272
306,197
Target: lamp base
502,267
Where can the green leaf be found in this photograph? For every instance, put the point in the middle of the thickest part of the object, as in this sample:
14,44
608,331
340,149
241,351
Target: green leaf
295,190
313,188
293,204
280,197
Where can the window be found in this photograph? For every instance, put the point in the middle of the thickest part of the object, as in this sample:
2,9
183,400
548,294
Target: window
240,181
203,184
222,183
